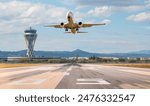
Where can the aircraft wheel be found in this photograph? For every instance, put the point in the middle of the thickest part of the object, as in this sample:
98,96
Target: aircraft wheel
66,29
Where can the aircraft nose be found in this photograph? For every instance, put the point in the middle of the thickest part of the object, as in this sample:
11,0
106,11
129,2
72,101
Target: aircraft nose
70,14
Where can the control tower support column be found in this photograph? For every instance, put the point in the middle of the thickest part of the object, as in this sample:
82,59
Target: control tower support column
30,37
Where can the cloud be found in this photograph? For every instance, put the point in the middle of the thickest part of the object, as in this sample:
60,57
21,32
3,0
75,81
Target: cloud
147,1
101,11
141,17
17,15
105,8
132,8
107,21
106,2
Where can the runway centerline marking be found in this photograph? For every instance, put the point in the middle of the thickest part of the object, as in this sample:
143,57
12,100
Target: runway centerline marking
70,68
95,81
66,73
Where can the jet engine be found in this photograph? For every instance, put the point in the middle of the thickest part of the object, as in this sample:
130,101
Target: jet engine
80,24
62,24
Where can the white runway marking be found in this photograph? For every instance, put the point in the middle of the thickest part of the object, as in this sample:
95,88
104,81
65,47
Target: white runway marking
70,68
28,82
96,81
135,71
66,73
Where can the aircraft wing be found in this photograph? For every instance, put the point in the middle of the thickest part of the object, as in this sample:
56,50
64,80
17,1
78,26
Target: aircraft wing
90,25
58,26
55,26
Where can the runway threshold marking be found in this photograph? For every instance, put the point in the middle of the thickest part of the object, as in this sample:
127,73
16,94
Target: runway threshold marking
135,71
92,81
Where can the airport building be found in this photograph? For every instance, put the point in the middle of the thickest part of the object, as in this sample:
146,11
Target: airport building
30,37
17,59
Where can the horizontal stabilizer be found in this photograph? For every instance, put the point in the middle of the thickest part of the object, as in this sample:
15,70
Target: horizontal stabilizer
82,32
77,32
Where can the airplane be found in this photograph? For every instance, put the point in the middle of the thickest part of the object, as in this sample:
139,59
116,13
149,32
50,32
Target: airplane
74,27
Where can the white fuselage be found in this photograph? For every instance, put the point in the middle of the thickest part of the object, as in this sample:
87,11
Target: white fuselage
71,24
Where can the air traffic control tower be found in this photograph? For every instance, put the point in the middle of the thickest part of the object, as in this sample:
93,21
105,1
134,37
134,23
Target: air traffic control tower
30,37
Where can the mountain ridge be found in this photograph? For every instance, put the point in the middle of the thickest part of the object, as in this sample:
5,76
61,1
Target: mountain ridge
77,52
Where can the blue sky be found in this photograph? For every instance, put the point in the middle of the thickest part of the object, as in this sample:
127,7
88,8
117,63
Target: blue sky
127,29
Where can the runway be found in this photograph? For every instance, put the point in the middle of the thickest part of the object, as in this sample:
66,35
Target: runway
74,76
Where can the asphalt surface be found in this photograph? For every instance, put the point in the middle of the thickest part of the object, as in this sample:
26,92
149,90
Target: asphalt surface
74,76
